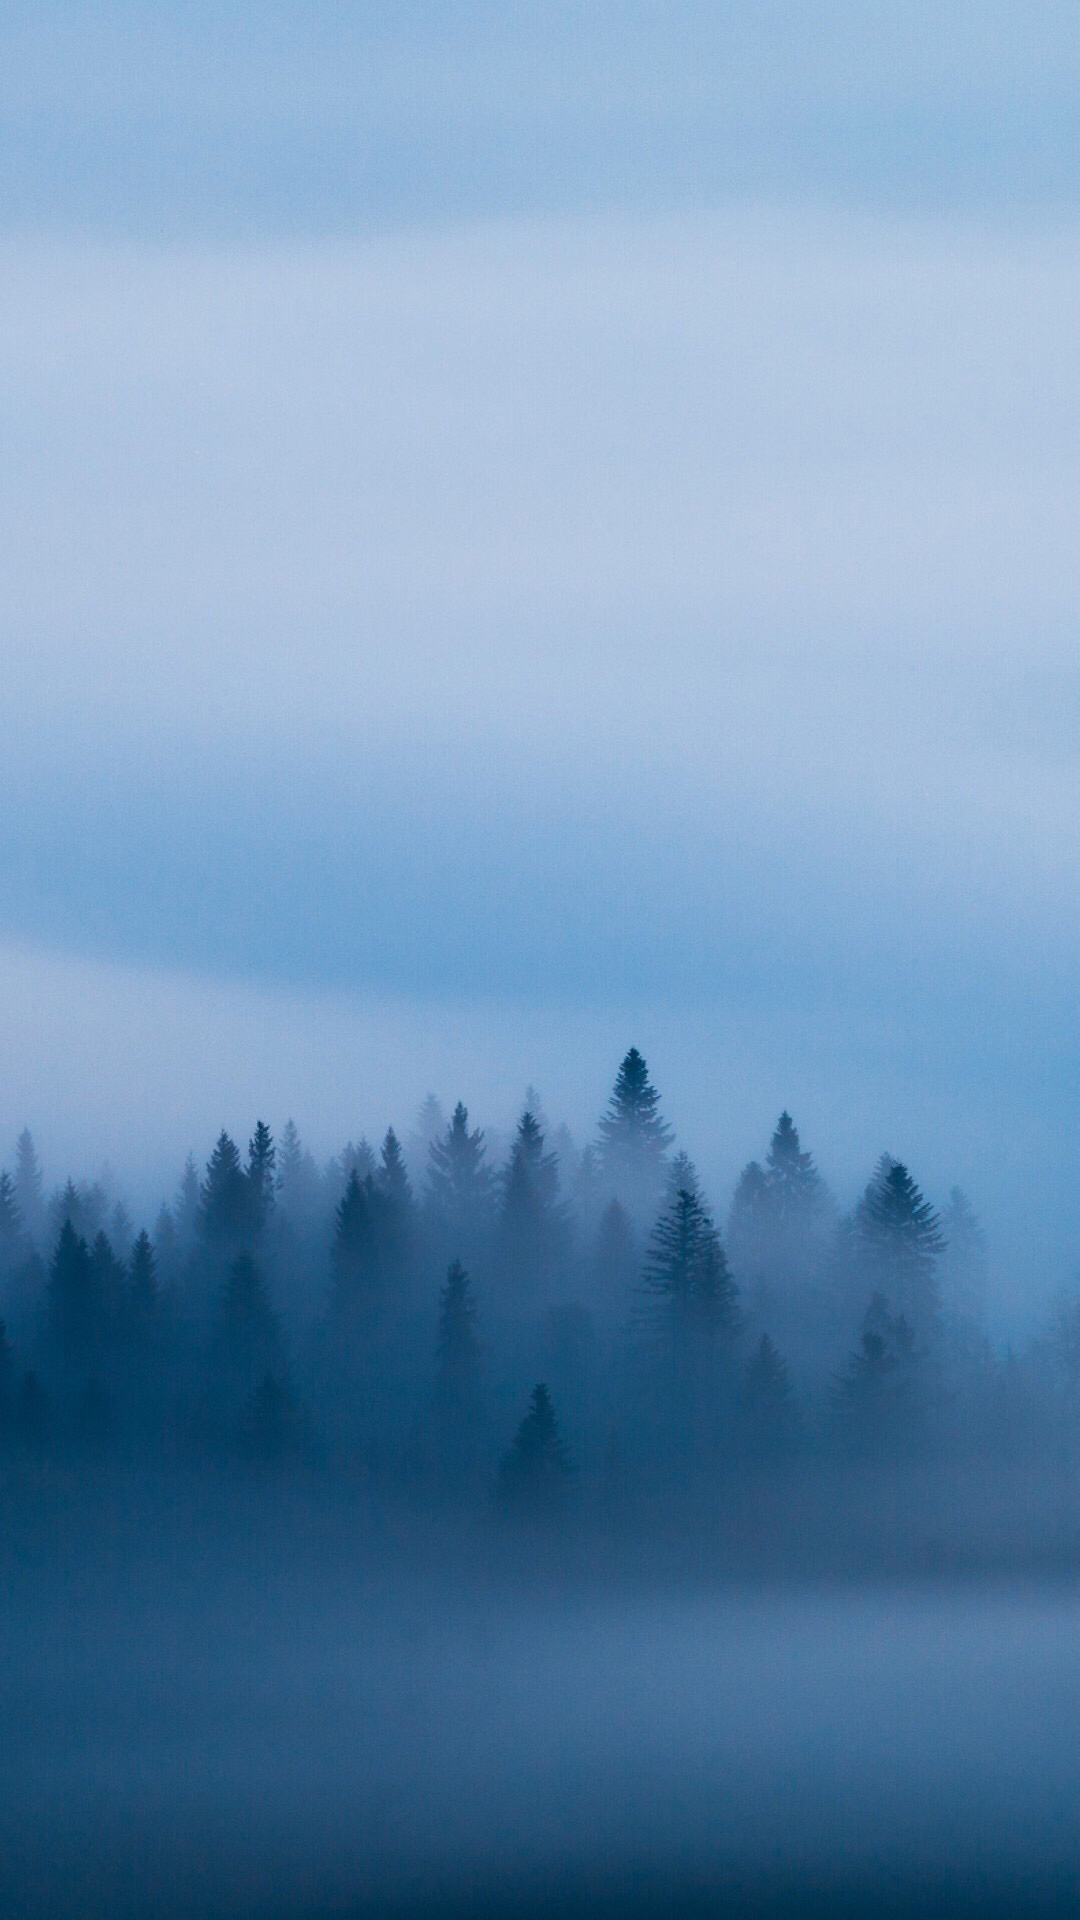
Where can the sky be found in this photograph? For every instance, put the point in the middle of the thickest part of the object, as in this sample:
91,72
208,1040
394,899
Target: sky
530,529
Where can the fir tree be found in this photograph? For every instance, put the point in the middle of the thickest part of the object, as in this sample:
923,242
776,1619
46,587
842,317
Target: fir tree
13,1247
458,1184
248,1339
143,1297
771,1417
224,1210
686,1267
534,1474
900,1243
532,1223
186,1211
634,1139
457,1422
75,1312
793,1181
615,1260
29,1189
261,1177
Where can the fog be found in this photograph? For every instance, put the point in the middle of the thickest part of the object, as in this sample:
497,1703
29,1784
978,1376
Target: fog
539,1304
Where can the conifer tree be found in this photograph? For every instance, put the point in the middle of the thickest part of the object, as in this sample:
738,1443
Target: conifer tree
394,1209
686,1268
75,1311
186,1211
532,1222
771,1417
224,1210
354,1258
534,1474
29,1189
459,1185
13,1248
165,1246
261,1177
634,1139
615,1260
143,1296
248,1342
457,1422
900,1243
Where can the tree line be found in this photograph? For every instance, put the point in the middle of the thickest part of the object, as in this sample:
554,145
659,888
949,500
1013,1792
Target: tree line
571,1324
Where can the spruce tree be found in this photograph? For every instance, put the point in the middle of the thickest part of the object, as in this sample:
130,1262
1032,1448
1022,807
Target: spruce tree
686,1268
186,1210
459,1186
143,1296
457,1422
29,1189
634,1139
534,1474
224,1204
13,1247
900,1243
75,1310
248,1342
532,1222
261,1177
770,1414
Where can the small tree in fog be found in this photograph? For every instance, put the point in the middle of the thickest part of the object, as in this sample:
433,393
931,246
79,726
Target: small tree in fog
456,1410
900,1243
770,1414
535,1472
532,1224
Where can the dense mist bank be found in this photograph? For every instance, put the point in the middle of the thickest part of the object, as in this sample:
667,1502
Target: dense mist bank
456,1530
545,1330
242,1698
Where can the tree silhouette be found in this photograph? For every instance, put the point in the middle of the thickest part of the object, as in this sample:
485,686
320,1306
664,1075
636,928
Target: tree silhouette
900,1243
634,1139
534,1474
459,1184
532,1223
224,1202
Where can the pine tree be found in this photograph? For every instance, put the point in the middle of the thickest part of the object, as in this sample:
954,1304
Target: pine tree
394,1211
186,1211
793,1181
143,1296
354,1258
29,1189
615,1260
165,1246
121,1231
634,1139
686,1268
13,1247
75,1311
459,1185
771,1417
532,1223
108,1276
430,1125
534,1474
457,1415
248,1341
224,1210
261,1177
900,1243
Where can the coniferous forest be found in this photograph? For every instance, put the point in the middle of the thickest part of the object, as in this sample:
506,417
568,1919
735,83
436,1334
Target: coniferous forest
567,1335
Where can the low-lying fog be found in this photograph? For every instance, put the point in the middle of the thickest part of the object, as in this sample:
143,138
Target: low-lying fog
262,1736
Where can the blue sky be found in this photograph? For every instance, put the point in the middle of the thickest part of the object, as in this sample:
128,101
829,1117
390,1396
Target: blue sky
526,529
